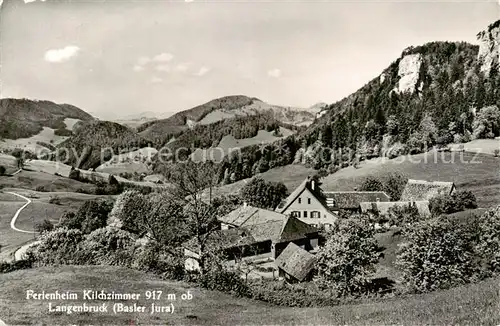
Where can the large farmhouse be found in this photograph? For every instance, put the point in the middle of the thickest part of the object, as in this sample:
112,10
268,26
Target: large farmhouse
313,206
421,190
254,232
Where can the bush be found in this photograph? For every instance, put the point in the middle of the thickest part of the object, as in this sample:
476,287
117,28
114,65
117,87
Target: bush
128,211
292,295
457,202
2,170
55,200
41,189
347,261
154,258
92,215
223,280
44,226
263,194
59,246
489,238
437,254
7,267
392,184
108,246
403,216
63,132
496,152
75,174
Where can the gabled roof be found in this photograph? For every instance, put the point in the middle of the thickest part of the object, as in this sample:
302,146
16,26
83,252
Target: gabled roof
248,215
224,239
291,198
257,225
383,208
421,190
296,261
306,184
352,199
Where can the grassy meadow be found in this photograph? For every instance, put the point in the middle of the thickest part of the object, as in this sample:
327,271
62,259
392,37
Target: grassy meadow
467,305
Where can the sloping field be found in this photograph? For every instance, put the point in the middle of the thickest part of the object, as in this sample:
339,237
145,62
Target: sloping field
47,135
10,239
290,175
230,144
50,167
50,182
289,115
475,304
8,162
479,173
485,146
130,162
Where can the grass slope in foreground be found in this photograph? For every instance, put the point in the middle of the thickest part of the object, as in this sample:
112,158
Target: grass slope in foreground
472,304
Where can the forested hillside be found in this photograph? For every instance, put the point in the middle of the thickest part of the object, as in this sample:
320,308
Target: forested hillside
219,110
434,94
23,118
96,138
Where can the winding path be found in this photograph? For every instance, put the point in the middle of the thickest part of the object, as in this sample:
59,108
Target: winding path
16,215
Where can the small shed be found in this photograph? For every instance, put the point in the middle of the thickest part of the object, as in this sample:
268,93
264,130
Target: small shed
295,264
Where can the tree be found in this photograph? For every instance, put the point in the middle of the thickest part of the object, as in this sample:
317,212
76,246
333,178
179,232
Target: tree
348,258
372,184
436,254
489,238
2,170
263,194
456,202
92,215
487,123
44,226
163,220
394,185
193,186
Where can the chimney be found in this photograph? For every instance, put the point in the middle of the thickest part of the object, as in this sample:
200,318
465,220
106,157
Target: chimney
312,185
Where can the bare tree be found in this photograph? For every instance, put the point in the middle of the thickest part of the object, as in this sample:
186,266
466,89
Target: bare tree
194,185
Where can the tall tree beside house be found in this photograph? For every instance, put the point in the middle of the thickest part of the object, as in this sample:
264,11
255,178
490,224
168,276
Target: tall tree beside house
190,181
263,194
348,259
392,184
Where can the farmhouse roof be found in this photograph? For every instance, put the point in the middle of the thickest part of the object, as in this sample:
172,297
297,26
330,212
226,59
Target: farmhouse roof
383,208
257,225
224,239
308,183
296,261
421,190
248,215
352,199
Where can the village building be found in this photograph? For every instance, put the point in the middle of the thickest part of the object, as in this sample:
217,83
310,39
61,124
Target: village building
308,203
421,190
350,200
383,208
251,232
295,264
313,206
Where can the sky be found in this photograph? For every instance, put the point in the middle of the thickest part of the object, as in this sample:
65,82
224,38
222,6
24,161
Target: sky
117,58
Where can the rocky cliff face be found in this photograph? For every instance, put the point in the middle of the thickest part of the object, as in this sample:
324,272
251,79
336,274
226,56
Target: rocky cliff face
489,47
408,72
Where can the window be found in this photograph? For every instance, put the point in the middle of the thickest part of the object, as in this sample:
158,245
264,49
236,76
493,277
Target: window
315,214
305,213
295,214
300,200
309,201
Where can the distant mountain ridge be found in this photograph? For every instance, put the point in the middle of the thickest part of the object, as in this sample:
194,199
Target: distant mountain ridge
23,118
224,108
